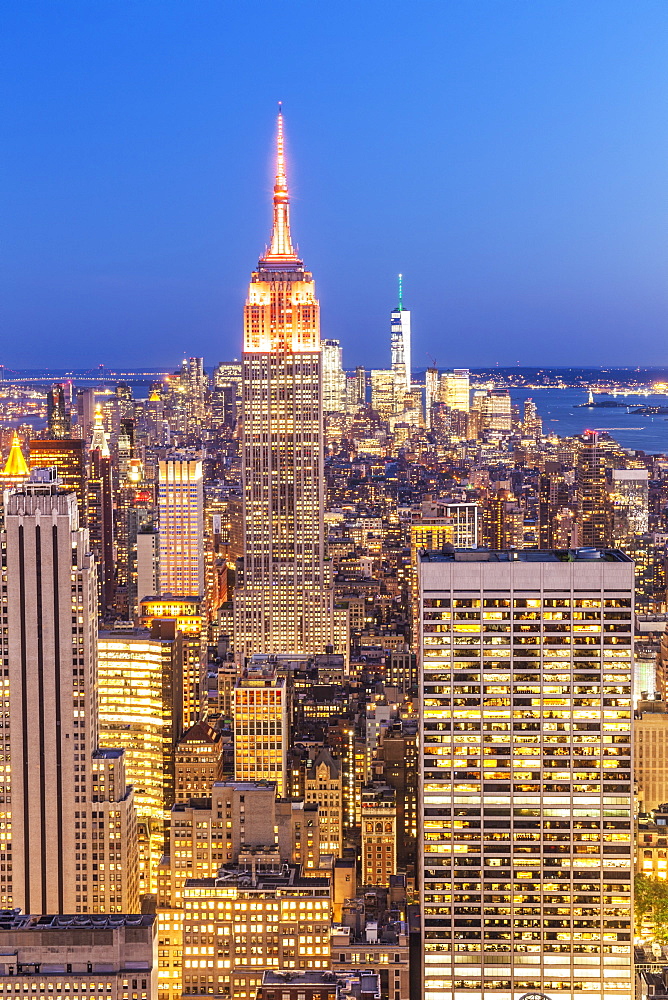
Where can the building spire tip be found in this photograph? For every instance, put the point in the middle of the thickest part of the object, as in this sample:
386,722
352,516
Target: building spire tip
281,244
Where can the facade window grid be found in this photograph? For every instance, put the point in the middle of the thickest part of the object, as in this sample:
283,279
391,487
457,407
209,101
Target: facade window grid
454,887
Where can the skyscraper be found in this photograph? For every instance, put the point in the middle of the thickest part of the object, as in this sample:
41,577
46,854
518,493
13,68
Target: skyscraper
594,519
455,389
628,496
430,393
58,780
261,731
195,383
525,780
283,600
69,458
57,417
383,392
140,710
400,343
181,514
333,377
100,504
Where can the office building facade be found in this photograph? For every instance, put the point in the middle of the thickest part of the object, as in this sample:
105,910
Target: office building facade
59,787
333,377
525,781
261,732
455,389
181,520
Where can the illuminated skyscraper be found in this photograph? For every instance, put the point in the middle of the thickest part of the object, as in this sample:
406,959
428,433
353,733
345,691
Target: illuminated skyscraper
195,382
140,710
383,392
57,417
181,512
261,733
283,601
333,377
56,780
400,343
628,493
100,503
69,458
595,521
430,393
455,389
525,778
15,471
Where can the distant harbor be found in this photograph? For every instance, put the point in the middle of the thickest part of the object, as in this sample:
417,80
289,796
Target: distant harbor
640,423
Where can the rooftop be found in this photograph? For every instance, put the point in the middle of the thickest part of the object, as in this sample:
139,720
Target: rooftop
524,555
288,876
14,920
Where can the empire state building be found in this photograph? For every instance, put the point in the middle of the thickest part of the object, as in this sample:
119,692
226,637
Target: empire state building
283,600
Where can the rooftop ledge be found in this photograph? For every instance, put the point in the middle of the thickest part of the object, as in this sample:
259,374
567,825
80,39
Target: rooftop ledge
524,555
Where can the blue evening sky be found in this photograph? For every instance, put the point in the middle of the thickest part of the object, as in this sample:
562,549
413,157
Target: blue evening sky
510,158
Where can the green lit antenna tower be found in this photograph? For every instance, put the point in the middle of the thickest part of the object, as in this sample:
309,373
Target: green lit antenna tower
400,342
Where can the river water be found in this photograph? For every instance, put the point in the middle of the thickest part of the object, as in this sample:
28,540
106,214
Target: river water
559,412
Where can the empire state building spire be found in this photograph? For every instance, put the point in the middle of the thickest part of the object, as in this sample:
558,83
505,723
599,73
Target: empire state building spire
283,598
280,252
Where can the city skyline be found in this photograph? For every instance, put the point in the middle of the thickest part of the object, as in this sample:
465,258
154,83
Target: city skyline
509,178
322,679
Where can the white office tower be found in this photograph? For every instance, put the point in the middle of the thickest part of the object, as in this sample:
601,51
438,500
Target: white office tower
333,377
283,600
400,343
525,781
181,527
55,780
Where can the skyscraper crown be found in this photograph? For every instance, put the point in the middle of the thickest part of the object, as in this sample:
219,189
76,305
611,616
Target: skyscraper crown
281,255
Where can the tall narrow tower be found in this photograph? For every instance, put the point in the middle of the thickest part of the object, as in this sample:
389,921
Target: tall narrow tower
55,779
181,505
594,519
400,343
283,599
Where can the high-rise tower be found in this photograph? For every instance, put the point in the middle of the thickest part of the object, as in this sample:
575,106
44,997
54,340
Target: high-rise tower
400,343
181,504
333,377
525,791
57,785
594,519
283,600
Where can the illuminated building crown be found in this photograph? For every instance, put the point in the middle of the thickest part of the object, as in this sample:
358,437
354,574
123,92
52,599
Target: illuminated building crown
99,437
15,467
280,256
